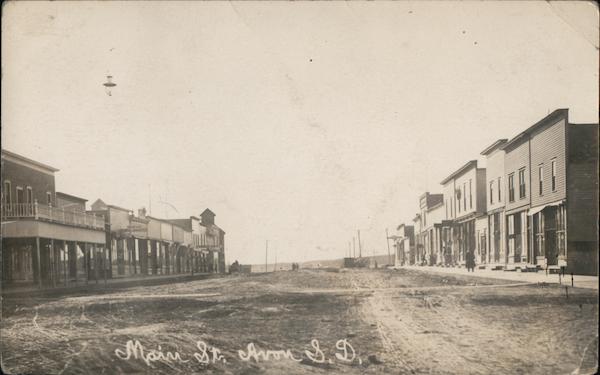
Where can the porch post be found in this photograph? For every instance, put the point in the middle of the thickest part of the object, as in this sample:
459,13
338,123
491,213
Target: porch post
95,252
52,263
75,248
86,256
104,261
65,261
39,261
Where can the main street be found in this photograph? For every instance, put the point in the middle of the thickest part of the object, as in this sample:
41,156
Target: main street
310,321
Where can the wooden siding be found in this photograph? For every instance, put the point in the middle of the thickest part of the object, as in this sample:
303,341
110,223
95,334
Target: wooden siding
495,170
481,191
178,234
31,228
119,219
69,204
582,203
515,159
462,183
449,200
167,232
546,145
154,229
582,199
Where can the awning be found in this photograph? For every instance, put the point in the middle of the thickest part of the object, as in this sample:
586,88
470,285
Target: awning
535,210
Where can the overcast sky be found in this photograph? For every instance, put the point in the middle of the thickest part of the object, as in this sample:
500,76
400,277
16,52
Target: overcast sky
295,122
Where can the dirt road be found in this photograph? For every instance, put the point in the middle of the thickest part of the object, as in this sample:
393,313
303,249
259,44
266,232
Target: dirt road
359,321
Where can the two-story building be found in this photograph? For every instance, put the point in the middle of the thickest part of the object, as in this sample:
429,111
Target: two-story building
419,258
196,234
465,193
214,242
47,238
556,207
404,243
496,196
431,215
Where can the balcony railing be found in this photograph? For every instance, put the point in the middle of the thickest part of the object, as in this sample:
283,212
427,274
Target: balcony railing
54,214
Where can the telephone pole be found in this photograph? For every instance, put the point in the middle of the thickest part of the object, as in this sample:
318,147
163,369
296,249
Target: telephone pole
266,253
354,247
387,239
359,246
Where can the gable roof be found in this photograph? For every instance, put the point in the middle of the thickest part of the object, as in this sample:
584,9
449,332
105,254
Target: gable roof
100,204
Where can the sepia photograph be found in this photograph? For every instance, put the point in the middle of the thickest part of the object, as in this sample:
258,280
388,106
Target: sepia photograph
299,187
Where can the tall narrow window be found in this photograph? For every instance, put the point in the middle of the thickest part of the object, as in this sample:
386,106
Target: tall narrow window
522,183
446,208
465,196
20,196
541,178
499,189
553,175
470,195
49,198
7,193
29,195
511,187
491,192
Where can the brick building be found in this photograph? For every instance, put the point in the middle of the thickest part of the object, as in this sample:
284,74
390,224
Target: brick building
47,237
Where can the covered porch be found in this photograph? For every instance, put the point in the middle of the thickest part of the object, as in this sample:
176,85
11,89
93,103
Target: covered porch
48,254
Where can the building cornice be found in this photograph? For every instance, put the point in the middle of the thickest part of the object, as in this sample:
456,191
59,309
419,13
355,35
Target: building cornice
26,162
460,171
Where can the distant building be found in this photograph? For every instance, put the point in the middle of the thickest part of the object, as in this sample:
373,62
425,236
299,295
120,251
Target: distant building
127,239
419,257
215,242
199,246
404,243
431,216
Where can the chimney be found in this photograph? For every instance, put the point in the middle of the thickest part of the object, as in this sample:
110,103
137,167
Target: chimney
142,212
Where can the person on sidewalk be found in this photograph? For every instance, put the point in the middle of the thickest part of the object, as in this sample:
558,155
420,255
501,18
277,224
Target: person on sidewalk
470,261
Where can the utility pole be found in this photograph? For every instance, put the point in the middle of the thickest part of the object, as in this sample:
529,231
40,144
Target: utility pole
354,247
349,250
359,246
266,253
387,239
275,265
